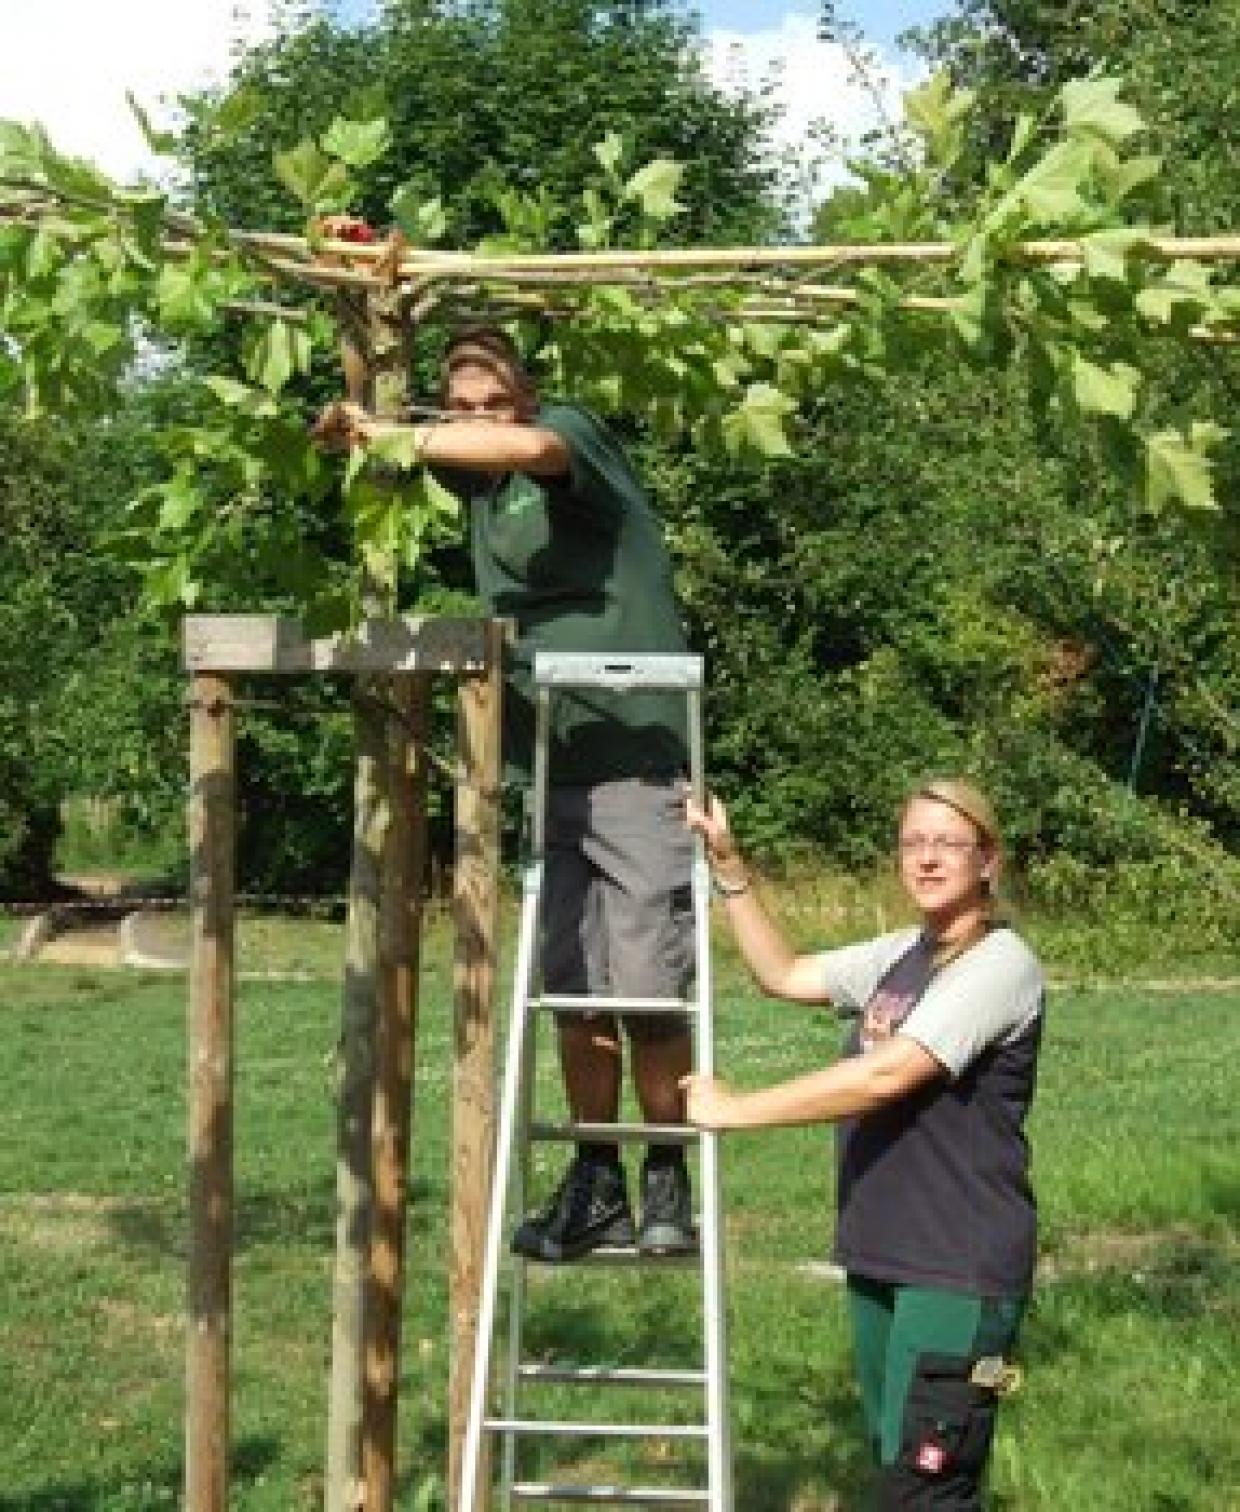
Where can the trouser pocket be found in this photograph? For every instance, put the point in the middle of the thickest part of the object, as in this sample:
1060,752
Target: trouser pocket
949,1424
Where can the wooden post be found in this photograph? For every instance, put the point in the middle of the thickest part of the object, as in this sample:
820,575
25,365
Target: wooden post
395,662
210,1108
476,903
399,949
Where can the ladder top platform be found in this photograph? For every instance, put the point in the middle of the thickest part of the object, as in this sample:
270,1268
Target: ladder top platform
619,671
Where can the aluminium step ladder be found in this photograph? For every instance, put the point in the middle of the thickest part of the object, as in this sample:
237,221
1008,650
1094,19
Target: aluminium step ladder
619,673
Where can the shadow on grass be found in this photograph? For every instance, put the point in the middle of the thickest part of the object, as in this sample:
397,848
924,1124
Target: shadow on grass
260,1217
1223,1192
797,1443
1185,1279
148,1486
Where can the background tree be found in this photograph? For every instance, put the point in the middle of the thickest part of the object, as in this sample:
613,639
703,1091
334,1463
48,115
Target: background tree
90,698
850,572
487,100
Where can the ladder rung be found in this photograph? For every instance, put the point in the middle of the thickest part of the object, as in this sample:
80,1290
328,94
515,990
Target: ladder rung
609,1375
557,1428
663,671
618,1255
603,1496
561,1002
620,1133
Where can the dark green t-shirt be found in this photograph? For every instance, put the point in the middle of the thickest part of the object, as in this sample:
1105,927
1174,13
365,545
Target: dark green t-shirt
579,563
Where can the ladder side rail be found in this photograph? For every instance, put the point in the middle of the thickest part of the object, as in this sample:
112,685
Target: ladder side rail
714,1304
542,761
502,1168
525,1052
519,1189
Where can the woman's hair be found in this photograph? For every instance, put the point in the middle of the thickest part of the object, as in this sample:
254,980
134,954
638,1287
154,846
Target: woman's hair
965,799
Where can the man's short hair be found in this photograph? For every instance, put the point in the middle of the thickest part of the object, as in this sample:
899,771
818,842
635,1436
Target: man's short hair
486,346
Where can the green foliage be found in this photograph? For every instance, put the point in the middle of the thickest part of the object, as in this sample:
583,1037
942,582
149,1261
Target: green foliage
89,701
294,811
899,588
939,582
490,98
1009,51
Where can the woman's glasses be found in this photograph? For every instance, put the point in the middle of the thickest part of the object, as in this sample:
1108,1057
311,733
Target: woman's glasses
934,845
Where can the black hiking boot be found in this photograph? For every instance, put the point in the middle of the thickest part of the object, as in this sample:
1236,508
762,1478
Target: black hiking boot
590,1209
667,1226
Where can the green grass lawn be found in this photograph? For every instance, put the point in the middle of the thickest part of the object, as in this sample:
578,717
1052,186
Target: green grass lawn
1131,1351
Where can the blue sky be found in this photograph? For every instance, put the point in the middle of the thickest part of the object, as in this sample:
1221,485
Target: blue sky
880,20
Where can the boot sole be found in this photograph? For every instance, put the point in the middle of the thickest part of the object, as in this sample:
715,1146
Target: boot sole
550,1252
667,1239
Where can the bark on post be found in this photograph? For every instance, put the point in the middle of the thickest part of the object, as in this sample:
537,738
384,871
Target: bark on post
400,939
476,902
354,1093
210,1108
376,351
355,1052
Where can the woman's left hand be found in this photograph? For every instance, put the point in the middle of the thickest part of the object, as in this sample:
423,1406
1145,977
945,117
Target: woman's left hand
709,1102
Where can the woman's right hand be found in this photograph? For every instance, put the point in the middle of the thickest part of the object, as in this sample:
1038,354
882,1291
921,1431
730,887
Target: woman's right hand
709,1102
712,824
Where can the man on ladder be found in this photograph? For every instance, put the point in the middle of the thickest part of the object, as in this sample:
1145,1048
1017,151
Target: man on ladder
565,542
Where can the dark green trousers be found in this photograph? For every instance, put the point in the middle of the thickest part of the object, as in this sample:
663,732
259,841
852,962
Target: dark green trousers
893,1325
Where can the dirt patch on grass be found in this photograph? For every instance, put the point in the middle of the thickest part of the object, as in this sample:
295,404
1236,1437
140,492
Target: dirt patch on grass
1136,1252
69,1222
124,1317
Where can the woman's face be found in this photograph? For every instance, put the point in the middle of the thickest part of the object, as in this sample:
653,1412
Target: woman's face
945,864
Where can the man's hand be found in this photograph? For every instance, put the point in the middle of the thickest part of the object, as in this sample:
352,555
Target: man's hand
342,425
346,228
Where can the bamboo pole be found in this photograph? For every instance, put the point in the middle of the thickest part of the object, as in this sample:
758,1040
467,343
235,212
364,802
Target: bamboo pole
476,906
674,259
400,938
1224,247
210,1107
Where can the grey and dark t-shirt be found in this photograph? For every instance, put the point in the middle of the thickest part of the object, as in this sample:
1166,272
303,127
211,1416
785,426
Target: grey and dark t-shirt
579,563
934,1189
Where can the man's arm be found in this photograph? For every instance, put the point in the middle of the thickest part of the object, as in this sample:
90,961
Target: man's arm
495,446
490,446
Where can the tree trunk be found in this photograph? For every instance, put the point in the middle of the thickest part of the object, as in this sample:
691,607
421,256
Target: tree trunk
376,352
355,1067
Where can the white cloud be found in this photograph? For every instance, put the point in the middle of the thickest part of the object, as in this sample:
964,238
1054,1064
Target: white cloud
815,83
68,63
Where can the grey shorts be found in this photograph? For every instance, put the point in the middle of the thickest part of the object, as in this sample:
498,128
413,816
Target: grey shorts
617,900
